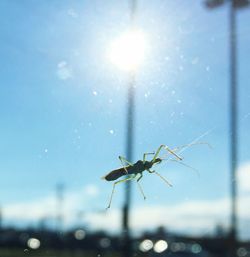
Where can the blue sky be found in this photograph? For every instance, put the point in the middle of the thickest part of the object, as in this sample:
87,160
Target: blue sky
63,111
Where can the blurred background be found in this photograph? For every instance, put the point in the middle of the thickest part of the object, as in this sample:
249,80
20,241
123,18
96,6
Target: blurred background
83,82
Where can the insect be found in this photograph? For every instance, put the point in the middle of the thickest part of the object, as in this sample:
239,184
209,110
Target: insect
135,171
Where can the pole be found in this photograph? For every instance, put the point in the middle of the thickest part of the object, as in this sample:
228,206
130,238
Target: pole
127,244
60,199
129,154
233,126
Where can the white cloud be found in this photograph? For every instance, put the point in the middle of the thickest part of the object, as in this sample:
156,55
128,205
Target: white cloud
29,210
92,190
192,218
244,178
47,207
64,71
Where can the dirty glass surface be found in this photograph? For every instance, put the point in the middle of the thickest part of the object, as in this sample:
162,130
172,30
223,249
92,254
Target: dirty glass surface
84,82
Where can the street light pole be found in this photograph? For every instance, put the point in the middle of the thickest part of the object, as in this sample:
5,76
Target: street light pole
127,244
234,4
233,124
129,154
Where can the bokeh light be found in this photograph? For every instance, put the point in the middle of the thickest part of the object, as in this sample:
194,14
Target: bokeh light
33,243
160,246
146,245
80,234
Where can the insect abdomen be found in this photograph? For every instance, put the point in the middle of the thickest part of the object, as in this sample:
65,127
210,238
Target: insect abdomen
115,174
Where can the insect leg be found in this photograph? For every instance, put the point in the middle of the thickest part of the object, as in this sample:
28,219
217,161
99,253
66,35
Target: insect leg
144,156
140,187
168,149
113,190
159,175
123,161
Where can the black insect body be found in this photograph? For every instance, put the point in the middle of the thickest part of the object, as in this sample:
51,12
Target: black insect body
135,171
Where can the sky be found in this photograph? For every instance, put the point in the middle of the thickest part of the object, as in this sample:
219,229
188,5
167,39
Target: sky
63,114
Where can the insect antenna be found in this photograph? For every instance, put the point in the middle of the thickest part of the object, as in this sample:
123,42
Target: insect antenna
182,148
196,141
182,163
186,165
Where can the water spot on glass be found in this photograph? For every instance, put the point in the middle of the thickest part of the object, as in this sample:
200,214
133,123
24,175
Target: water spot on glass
45,150
94,93
173,92
72,13
179,101
64,72
185,29
111,131
247,115
163,85
147,94
75,52
195,60
208,68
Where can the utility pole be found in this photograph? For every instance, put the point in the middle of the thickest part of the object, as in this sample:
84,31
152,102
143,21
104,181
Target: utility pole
233,106
59,206
127,243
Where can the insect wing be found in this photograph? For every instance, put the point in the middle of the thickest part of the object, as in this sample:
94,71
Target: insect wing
115,174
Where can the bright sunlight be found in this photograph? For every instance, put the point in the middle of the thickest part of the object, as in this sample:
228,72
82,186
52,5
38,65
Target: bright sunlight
128,51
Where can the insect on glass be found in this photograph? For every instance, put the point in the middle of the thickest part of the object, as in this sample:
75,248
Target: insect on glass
135,171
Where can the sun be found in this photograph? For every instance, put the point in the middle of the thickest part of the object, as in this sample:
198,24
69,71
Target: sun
128,50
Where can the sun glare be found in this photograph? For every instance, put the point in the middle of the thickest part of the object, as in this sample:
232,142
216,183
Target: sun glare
128,51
